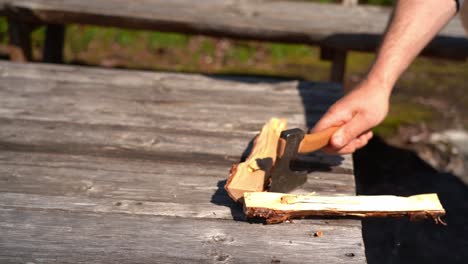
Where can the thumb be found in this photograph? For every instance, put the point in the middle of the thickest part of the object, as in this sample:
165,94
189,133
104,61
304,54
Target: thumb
349,131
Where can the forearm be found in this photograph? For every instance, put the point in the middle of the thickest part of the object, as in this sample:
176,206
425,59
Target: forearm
413,24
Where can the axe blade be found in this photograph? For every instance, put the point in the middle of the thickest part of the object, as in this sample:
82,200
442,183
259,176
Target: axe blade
283,178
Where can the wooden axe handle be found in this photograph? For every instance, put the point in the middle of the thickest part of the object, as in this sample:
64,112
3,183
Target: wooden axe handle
316,141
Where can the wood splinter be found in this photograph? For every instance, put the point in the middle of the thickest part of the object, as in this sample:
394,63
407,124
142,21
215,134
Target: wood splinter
279,207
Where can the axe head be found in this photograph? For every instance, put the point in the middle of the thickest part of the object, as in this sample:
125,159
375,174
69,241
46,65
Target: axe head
283,178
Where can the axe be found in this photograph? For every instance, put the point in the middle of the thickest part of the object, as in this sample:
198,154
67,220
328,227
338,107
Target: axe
292,142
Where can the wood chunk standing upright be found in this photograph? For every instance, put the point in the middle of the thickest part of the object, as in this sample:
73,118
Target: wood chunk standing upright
251,175
278,207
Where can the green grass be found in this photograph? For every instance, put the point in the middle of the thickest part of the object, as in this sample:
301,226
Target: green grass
281,51
167,40
404,112
241,52
3,30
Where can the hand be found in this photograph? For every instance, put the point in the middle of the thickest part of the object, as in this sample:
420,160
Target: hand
356,113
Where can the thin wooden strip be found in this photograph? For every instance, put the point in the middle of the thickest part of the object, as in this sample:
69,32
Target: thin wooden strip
71,237
278,207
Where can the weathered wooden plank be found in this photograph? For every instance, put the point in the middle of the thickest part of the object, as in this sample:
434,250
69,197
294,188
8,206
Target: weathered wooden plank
138,142
202,209
200,110
142,142
356,28
163,100
70,137
150,182
109,108
100,177
227,15
77,161
49,106
119,141
67,237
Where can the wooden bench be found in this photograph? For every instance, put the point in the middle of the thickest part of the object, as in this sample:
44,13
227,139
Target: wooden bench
115,166
336,29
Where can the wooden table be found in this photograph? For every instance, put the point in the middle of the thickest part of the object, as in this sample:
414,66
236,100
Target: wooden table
115,166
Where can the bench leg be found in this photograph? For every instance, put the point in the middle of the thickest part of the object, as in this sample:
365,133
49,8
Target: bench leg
338,67
53,46
338,59
20,41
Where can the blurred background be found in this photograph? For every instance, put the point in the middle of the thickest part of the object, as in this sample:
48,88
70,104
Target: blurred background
429,97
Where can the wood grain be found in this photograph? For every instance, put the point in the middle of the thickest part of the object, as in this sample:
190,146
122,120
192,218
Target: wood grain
279,207
157,100
70,237
317,140
356,28
123,180
99,166
252,174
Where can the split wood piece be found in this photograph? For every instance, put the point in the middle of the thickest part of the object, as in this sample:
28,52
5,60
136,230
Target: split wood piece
279,207
251,175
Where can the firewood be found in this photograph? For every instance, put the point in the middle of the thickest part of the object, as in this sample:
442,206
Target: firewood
252,175
279,207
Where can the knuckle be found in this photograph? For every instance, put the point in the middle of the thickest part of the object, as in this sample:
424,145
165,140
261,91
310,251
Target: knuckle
333,109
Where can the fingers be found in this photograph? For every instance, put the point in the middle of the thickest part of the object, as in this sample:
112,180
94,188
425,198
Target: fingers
352,130
352,146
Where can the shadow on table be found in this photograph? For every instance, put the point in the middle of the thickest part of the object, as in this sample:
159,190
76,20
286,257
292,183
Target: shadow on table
221,197
383,169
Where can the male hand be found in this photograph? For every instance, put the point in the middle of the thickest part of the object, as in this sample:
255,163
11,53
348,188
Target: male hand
412,25
356,113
